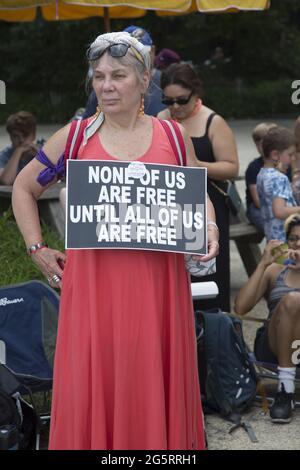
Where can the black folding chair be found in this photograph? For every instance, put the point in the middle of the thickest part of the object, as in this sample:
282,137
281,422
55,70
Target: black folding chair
28,327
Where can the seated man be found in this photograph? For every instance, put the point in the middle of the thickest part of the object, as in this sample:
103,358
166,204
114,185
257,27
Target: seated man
21,128
278,279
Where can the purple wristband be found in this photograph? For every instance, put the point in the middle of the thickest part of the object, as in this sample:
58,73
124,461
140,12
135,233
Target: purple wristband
52,171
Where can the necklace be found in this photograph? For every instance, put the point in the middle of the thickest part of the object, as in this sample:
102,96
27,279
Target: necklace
194,111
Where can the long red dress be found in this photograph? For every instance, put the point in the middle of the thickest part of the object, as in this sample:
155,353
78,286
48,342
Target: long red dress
125,372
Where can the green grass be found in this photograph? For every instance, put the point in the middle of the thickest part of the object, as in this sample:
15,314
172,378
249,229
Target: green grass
16,265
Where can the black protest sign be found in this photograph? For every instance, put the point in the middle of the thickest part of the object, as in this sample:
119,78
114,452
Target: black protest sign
134,205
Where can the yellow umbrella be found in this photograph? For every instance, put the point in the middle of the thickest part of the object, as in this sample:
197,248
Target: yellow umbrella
52,10
220,6
25,10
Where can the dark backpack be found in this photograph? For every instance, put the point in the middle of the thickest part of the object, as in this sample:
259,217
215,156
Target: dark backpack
228,379
17,416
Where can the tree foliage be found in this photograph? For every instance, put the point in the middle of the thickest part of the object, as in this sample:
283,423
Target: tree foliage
44,66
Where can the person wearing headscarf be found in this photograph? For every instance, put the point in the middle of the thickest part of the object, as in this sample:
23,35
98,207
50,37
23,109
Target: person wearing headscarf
125,374
152,103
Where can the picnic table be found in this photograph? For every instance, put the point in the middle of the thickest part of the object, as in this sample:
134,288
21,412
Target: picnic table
247,238
244,234
49,206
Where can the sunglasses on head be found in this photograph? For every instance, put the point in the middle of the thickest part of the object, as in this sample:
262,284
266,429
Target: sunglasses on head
181,101
115,50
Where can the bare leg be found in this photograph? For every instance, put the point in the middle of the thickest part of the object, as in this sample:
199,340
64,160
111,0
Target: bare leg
284,328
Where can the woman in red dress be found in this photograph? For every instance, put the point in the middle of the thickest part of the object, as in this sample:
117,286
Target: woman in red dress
125,374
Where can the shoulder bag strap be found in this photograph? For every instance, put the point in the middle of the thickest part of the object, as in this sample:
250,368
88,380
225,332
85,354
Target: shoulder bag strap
176,140
220,190
75,138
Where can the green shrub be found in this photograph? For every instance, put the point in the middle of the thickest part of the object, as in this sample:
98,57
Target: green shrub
232,99
50,107
16,265
256,100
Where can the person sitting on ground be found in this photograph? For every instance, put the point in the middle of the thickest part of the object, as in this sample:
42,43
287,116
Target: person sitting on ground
252,199
274,341
21,128
274,189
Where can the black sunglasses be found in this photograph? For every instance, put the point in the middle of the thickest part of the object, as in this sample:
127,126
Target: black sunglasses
181,101
115,50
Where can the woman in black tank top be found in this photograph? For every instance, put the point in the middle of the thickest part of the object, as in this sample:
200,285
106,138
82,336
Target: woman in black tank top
215,147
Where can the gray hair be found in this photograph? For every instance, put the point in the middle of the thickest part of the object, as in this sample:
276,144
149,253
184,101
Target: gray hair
102,42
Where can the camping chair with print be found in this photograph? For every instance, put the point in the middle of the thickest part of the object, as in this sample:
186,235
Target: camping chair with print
28,326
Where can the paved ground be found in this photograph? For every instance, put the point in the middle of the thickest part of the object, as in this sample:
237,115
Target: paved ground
270,436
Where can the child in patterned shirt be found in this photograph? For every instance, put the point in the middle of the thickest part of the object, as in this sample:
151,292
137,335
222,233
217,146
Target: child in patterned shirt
274,189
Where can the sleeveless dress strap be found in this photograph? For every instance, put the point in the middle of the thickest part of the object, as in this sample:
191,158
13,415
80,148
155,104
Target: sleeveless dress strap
176,140
208,122
282,275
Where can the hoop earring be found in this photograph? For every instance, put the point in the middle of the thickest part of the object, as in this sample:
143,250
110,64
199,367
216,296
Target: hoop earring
98,110
142,106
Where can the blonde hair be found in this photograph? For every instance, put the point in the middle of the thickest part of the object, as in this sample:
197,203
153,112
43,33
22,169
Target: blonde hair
261,130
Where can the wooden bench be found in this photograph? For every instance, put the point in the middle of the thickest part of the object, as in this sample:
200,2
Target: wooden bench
247,238
245,232
49,206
